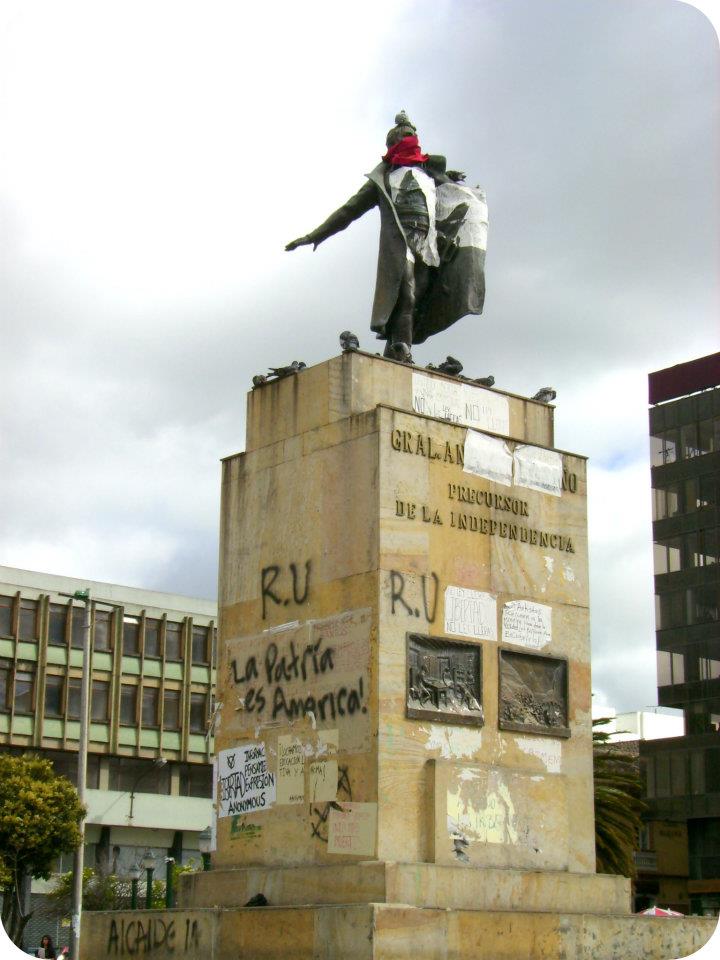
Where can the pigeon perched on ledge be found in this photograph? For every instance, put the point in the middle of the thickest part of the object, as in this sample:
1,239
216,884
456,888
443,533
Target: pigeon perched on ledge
277,373
451,367
295,367
348,341
485,381
545,395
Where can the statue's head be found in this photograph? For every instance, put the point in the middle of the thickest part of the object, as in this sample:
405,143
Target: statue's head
403,128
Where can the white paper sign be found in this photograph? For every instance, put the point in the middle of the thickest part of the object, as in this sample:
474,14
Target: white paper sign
460,403
245,785
527,624
539,469
470,613
488,457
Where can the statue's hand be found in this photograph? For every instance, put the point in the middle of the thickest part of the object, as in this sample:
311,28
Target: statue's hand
300,242
456,175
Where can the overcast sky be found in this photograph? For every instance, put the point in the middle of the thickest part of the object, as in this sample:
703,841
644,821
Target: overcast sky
157,156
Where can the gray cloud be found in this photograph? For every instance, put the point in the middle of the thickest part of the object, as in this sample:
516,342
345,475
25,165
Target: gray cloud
143,280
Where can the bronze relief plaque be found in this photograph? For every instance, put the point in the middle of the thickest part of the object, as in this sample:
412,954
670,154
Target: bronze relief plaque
533,693
444,680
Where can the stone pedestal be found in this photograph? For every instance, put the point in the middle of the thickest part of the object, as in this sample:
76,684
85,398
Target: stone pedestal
404,751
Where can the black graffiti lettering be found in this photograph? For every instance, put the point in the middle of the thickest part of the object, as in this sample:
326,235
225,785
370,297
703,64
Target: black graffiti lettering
250,672
436,580
266,584
397,585
321,814
293,570
192,934
113,938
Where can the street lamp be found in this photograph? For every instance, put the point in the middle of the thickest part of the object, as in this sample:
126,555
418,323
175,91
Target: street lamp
205,845
148,865
134,873
157,762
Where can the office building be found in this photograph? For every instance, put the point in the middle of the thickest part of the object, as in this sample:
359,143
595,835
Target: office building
683,773
151,702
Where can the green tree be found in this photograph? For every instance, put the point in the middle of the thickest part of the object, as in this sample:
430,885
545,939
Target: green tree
618,804
40,814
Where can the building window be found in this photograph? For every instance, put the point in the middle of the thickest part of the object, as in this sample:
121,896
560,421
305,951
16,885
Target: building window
74,698
77,628
28,629
103,630
667,555
708,668
100,701
6,616
173,640
198,714
24,692
53,695
200,645
131,636
152,637
195,780
129,773
663,448
670,610
213,644
4,687
703,603
150,702
171,710
56,626
666,501
128,704
65,764
670,668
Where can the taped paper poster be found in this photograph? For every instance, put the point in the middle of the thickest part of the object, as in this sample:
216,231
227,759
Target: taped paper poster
245,785
470,613
488,457
527,624
539,469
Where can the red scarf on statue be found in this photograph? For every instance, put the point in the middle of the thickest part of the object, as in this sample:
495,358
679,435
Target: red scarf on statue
405,153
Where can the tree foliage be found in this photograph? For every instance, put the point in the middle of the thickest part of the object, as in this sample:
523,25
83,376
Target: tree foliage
108,891
618,805
40,814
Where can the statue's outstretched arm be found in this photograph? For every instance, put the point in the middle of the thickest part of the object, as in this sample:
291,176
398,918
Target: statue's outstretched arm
365,199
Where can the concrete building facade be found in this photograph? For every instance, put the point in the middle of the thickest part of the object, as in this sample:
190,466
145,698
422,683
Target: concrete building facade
153,661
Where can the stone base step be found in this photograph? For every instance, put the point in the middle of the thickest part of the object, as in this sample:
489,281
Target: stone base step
387,932
417,884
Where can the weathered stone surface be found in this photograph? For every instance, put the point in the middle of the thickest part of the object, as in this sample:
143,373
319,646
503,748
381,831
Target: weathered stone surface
389,932
418,884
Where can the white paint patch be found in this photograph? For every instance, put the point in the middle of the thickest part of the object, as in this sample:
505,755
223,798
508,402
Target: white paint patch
467,774
538,469
568,574
453,744
549,564
460,403
488,457
548,751
487,819
470,613
527,624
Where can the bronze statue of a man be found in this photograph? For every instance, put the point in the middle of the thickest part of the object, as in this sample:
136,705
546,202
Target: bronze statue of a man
433,235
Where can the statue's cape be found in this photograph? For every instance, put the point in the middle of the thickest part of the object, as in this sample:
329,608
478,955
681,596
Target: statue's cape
458,287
